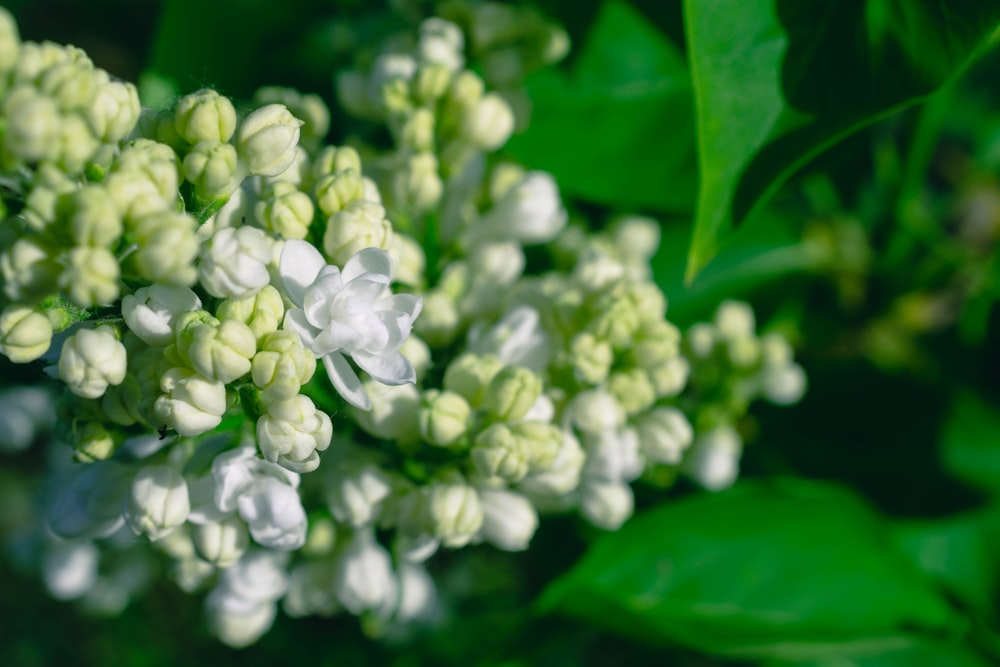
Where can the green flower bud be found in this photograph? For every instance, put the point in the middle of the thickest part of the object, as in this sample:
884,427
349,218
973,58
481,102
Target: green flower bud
439,319
734,320
29,270
135,195
416,186
700,340
416,132
71,85
310,108
90,276
281,366
267,139
121,402
452,512
336,160
25,334
444,417
499,452
114,111
657,342
211,167
511,393
636,236
616,321
408,261
10,41
190,404
90,360
633,390
32,125
262,312
743,352
92,442
669,377
465,93
431,82
361,224
285,210
590,358
469,375
293,432
77,143
49,184
335,191
167,248
157,161
542,441
218,351
90,216
205,116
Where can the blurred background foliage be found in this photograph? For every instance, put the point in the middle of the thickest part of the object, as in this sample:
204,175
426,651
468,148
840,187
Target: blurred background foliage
797,157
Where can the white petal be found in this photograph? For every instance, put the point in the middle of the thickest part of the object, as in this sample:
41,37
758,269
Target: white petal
299,266
295,320
346,381
391,369
410,304
368,260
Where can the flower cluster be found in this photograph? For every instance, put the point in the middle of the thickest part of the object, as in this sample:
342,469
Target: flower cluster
187,272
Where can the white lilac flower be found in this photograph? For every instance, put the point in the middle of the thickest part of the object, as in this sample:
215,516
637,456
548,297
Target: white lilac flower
152,312
363,577
349,313
509,519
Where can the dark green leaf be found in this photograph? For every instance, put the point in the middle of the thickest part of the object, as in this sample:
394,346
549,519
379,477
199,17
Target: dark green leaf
782,570
619,129
971,441
778,81
913,654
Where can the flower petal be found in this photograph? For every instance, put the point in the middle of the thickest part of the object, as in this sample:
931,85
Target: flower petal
368,260
346,381
299,266
295,320
392,368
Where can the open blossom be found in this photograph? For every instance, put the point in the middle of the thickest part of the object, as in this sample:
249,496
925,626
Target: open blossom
349,313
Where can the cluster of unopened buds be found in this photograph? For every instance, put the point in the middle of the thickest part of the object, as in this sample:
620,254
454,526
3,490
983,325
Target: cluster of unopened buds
297,380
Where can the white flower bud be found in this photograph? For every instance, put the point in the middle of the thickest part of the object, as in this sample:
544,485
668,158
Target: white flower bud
509,519
10,41
469,375
90,216
29,271
518,339
151,312
393,413
90,276
734,320
633,390
415,185
32,124
355,494
439,319
490,123
221,543
613,455
408,261
92,359
275,515
191,404
670,377
234,262
363,576
167,248
529,212
595,411
498,452
336,190
217,350
241,607
511,393
336,160
590,358
664,434
606,504
25,333
418,354
361,224
783,385
155,161
637,236
561,477
293,432
285,210
281,366
452,512
262,312
69,569
444,417
417,595
267,139
205,116
114,111
157,502
714,461
542,439
441,42
388,82
212,168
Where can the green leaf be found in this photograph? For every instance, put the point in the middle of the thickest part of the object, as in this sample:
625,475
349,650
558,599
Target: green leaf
915,654
619,129
970,442
778,81
784,570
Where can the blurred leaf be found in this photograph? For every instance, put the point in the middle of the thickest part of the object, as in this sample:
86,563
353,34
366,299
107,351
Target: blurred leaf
776,83
970,443
620,128
960,552
917,654
788,570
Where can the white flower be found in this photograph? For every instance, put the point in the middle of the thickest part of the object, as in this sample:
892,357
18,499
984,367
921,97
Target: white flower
70,569
241,608
606,504
91,360
355,493
190,404
267,140
509,519
518,339
363,578
664,434
714,460
529,212
293,432
157,501
350,313
234,262
152,312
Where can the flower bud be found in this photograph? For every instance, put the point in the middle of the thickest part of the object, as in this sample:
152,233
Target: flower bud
529,212
155,161
25,333
714,460
285,210
157,501
333,192
29,270
734,320
262,312
361,224
90,276
664,434
595,411
222,543
490,123
355,494
218,351
511,393
431,82
90,216
151,312
267,139
92,442
393,413
310,108
633,390
293,432
444,417
518,339
363,576
441,42
498,452
439,319
388,83
212,168
10,41
452,512
136,196
114,111
469,375
783,385
417,132
605,504
92,359
32,125
336,160
191,404
167,248
509,519
590,358
408,261
415,185
670,377
281,366
234,262
205,116
542,441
